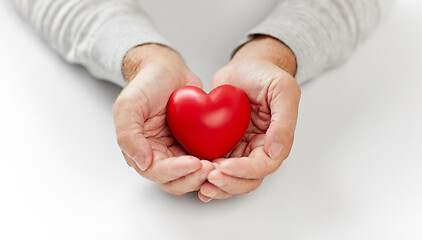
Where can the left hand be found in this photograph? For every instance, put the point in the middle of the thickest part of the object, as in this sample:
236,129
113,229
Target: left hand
263,69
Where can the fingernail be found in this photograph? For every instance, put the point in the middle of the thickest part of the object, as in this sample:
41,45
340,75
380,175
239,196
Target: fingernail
275,150
143,165
209,200
141,162
210,194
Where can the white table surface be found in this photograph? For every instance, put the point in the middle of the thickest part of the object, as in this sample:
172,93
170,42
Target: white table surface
355,171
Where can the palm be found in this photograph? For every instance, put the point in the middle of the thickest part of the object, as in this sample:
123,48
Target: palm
257,90
140,119
162,141
151,104
254,136
274,97
140,116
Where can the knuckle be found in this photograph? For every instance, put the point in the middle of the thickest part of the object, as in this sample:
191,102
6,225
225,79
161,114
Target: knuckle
267,167
121,139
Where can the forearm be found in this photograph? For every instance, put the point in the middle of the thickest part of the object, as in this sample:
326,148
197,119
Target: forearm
94,33
322,34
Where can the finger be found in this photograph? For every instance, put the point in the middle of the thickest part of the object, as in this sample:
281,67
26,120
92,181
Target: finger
256,167
137,148
129,133
203,197
233,185
189,183
130,161
283,98
169,169
213,192
240,149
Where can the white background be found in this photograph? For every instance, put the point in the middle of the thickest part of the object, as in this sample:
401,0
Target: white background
355,171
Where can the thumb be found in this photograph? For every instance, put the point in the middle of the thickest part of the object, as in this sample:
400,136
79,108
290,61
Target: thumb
137,148
129,126
284,103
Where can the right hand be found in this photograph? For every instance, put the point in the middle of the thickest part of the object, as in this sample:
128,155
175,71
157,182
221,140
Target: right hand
154,72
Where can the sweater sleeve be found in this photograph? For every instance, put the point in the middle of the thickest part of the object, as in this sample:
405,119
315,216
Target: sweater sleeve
94,33
323,33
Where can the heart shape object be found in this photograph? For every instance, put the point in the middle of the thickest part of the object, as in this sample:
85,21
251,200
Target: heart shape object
209,125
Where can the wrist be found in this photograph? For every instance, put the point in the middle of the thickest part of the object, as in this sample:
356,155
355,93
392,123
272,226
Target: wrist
267,48
150,54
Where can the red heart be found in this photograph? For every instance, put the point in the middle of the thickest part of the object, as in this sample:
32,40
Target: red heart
209,125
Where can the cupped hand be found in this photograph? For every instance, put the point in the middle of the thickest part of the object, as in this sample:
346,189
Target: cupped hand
154,72
263,69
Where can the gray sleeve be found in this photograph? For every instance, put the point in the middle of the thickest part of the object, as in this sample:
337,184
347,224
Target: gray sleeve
94,33
322,33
